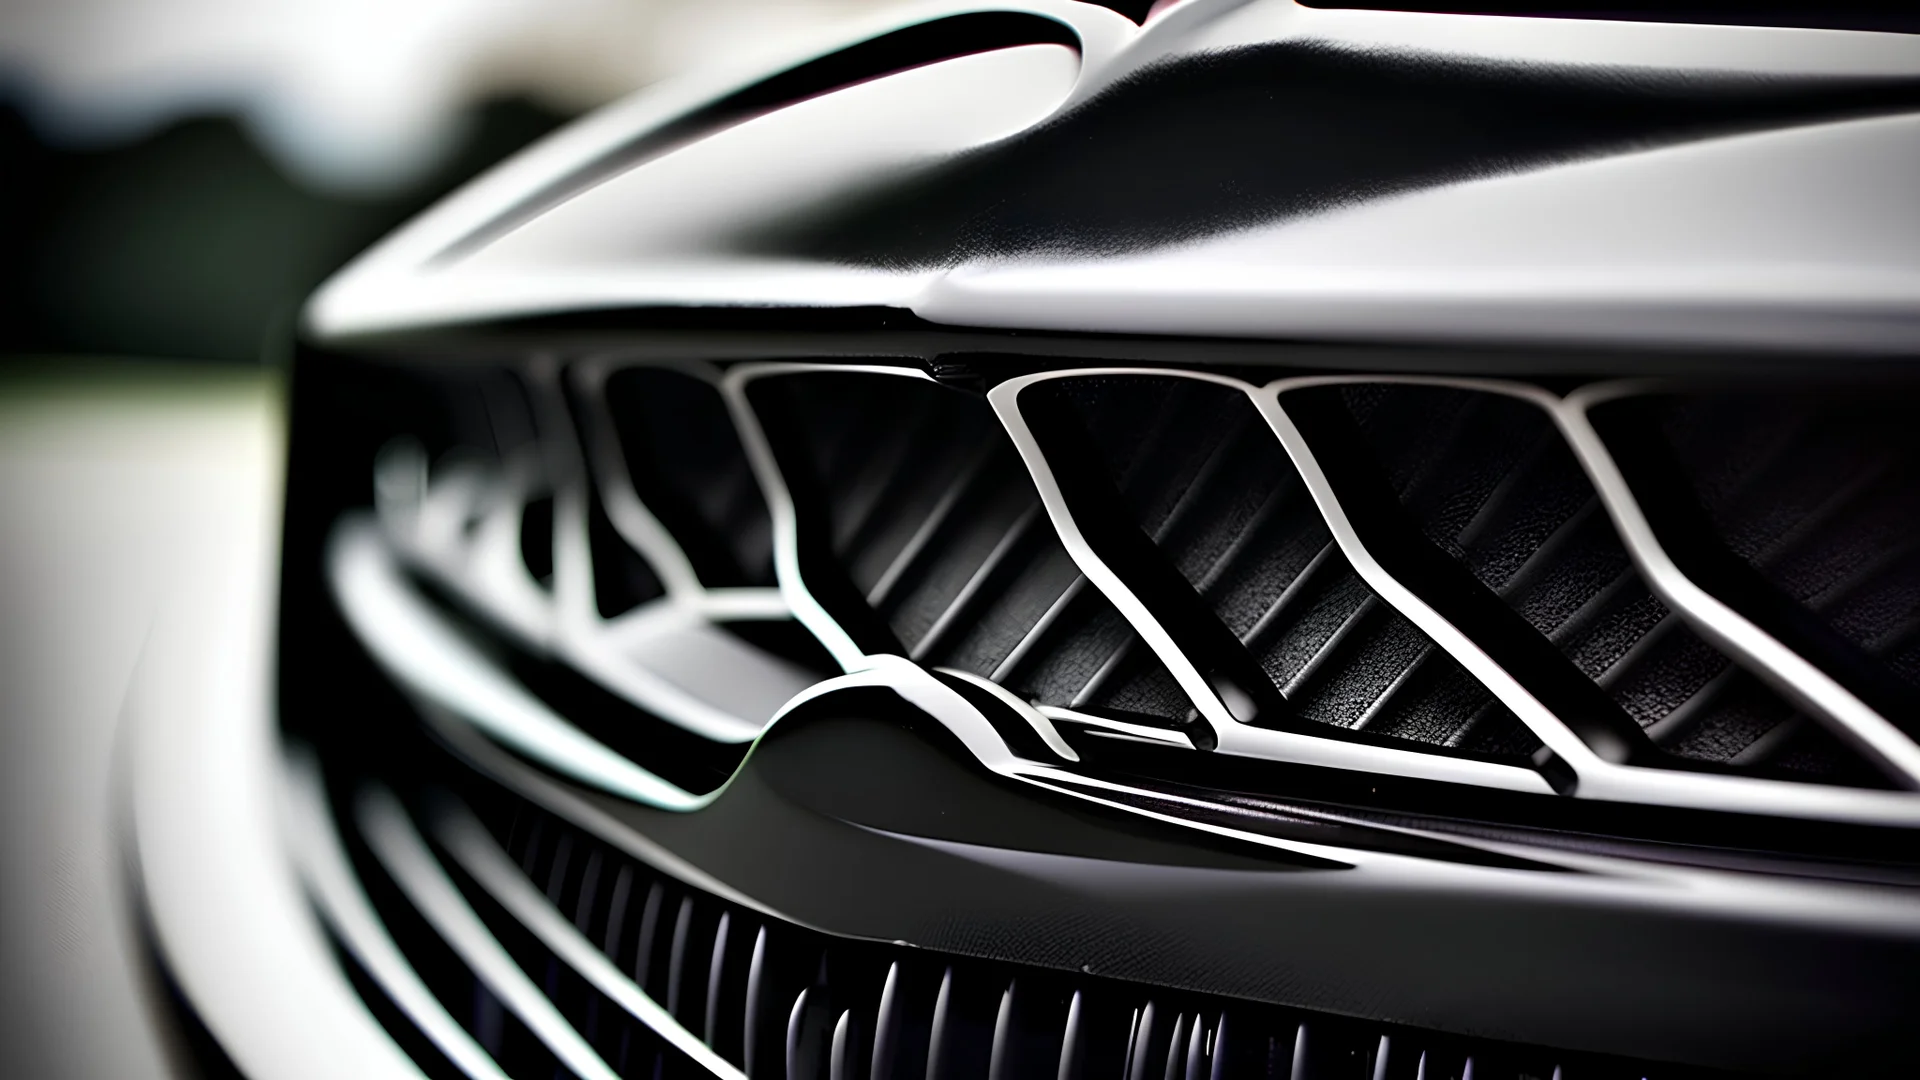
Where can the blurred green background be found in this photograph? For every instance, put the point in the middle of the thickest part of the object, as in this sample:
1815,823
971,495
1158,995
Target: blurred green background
191,243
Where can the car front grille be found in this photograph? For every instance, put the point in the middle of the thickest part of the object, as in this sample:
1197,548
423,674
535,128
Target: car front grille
1493,632
1408,576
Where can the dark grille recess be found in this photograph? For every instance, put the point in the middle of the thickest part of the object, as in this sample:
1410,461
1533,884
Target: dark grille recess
1200,474
686,464
934,526
1490,481
1821,495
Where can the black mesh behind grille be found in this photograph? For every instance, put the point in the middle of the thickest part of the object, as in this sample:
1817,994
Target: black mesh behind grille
686,463
1201,474
934,525
1821,495
622,580
1490,481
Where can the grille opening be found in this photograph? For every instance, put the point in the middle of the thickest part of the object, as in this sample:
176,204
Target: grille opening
684,460
536,538
460,992
991,589
908,485
934,524
1488,479
1199,473
1800,508
1081,654
622,580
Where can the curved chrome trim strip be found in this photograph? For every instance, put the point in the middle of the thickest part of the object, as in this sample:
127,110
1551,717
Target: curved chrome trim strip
488,759
1542,722
427,523
629,513
420,876
1625,879
407,639
1037,720
1598,779
1788,671
1233,736
337,892
1142,732
606,649
1628,783
773,484
475,850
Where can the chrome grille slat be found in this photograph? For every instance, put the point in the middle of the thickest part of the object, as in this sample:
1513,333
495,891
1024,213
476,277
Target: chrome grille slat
1529,504
1791,674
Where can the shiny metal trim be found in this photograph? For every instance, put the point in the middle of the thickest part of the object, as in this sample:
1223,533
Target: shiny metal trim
1106,726
612,651
773,484
405,855
1658,883
629,513
314,841
1538,718
476,851
431,660
1598,778
1787,671
1036,719
425,523
1233,737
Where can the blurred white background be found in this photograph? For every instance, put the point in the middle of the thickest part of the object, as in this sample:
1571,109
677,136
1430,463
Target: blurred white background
361,94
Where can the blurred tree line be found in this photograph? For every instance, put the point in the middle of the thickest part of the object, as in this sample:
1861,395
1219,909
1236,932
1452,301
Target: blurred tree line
191,243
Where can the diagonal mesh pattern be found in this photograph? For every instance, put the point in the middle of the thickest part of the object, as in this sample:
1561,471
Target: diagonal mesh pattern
1488,479
1199,473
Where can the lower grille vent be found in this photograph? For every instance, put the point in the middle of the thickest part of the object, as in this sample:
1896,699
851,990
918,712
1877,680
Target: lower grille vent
497,1029
782,1001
